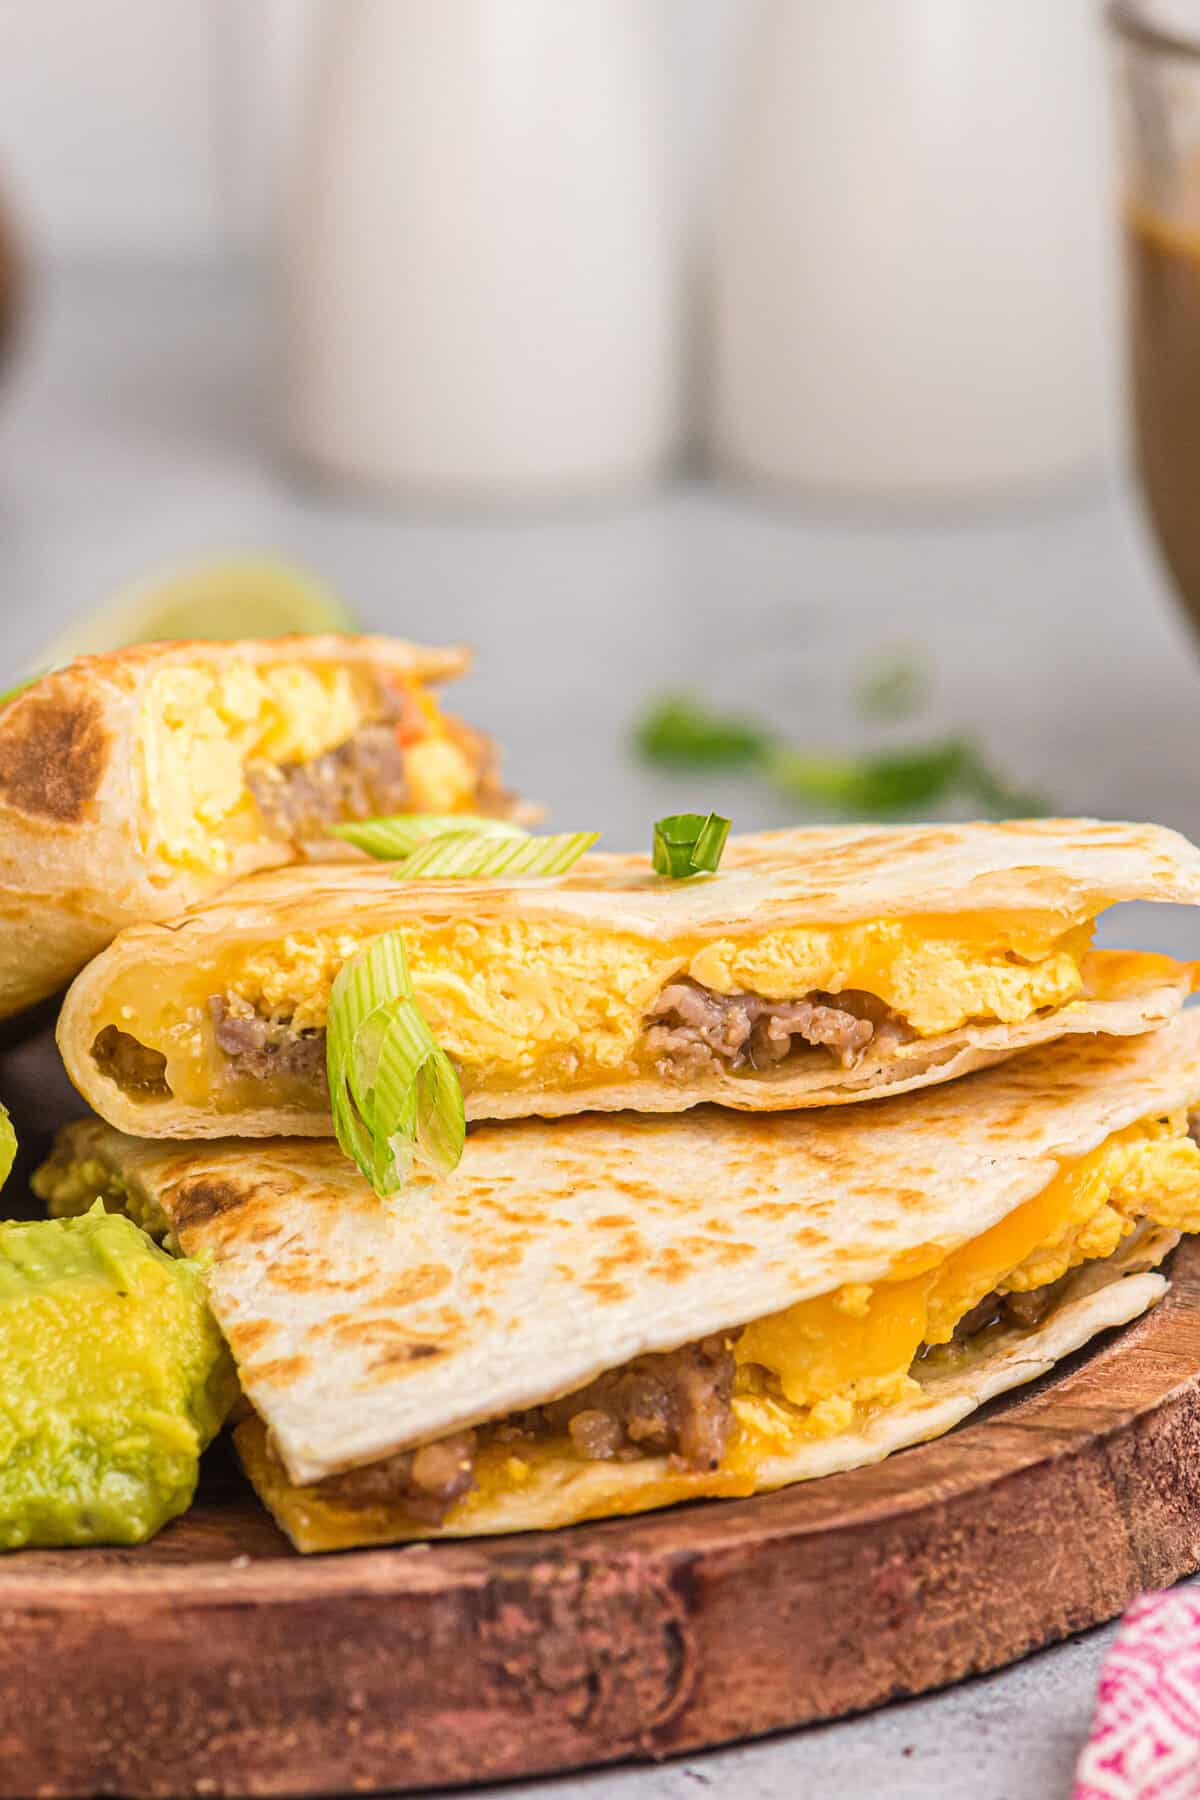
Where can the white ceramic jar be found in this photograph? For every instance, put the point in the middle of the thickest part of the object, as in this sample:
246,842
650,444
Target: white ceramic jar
911,288
480,286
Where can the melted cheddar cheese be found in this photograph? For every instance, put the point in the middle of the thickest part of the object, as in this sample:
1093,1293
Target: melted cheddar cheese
527,1003
821,1366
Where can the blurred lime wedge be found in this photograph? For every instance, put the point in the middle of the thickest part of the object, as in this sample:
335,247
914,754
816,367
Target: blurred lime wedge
234,597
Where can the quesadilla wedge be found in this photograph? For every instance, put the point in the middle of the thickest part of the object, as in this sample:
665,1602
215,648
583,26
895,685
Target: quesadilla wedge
602,1315
134,784
816,966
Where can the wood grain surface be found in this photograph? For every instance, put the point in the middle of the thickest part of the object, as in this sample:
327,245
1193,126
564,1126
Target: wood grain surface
216,1662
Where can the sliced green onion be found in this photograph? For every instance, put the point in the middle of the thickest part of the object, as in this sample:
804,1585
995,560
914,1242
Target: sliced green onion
445,846
393,1090
687,844
393,838
415,1083
460,855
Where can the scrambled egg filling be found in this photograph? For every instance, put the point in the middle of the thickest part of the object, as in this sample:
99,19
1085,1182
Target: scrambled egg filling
201,727
526,1003
498,993
827,1365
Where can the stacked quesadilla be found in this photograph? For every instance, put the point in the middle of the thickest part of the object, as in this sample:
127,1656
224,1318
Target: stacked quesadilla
814,967
672,1261
603,1314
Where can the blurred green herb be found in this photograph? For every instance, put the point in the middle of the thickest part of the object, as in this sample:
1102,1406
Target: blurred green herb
893,687
681,731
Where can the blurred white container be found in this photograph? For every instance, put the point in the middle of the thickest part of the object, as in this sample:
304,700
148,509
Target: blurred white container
912,288
480,284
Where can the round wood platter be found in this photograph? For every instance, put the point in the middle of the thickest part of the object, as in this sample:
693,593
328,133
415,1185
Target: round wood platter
217,1662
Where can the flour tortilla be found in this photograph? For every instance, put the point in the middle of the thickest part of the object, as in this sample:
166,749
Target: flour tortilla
1063,870
558,1251
80,851
568,1491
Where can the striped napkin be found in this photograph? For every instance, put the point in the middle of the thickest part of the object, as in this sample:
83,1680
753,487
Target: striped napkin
1145,1739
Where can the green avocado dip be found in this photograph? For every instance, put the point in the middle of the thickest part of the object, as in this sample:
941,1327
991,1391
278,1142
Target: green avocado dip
70,1186
115,1378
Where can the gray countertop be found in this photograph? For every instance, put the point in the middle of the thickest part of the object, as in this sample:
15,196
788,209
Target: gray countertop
136,433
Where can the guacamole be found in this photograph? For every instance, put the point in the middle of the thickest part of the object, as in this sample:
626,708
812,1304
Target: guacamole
115,1378
69,1187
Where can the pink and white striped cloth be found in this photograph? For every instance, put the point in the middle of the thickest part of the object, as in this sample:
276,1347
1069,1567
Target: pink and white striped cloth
1145,1739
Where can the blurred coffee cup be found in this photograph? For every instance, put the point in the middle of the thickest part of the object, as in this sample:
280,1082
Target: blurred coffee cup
1157,65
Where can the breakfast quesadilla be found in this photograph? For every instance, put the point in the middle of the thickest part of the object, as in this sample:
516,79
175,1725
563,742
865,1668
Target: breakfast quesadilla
815,966
603,1315
134,784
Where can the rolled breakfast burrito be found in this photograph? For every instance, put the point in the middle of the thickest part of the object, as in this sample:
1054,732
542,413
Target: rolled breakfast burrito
606,1314
815,966
135,784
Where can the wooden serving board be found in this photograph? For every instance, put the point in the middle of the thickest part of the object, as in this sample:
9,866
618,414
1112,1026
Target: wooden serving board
215,1661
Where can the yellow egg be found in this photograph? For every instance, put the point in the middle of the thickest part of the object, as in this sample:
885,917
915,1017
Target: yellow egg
201,730
528,1002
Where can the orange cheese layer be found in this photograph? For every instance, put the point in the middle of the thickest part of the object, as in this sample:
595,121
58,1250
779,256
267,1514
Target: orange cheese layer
831,1358
526,1004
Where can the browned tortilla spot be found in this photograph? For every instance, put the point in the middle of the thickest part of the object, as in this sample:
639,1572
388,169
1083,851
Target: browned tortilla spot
606,1290
53,754
421,1283
729,1253
671,1265
248,1338
617,1264
300,1274
199,1202
496,1261
387,1336
634,1190
402,1354
283,1370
